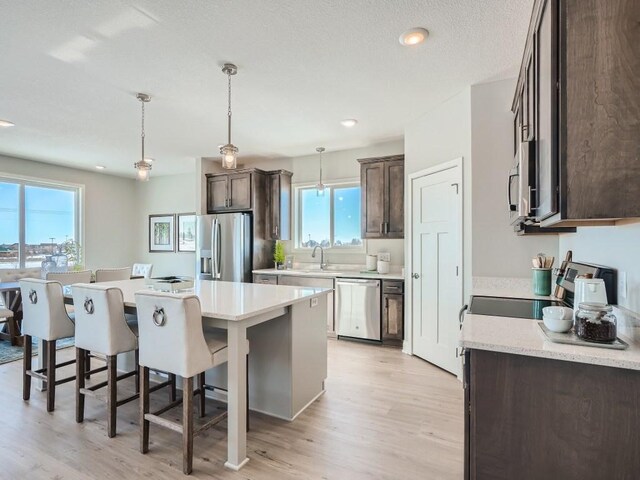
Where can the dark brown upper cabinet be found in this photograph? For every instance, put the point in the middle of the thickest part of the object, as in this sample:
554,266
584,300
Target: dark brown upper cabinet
279,227
228,192
577,100
382,184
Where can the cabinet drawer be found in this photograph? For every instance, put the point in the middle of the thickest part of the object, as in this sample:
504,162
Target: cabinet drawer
392,286
266,279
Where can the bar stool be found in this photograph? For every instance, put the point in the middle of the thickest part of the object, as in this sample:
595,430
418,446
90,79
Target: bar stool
172,339
102,328
45,317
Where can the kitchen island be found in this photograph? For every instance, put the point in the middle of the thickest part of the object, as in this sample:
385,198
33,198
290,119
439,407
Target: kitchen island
541,410
287,364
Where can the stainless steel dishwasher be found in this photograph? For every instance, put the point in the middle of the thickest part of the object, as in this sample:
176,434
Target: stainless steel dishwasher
358,308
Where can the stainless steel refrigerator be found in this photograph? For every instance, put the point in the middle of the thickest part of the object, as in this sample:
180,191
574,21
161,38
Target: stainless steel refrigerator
224,247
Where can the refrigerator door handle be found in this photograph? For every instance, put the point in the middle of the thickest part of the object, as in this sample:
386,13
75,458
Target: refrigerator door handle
218,250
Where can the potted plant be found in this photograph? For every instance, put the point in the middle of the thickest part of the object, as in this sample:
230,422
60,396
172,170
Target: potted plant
278,254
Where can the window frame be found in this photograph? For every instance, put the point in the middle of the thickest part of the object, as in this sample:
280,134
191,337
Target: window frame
297,212
25,181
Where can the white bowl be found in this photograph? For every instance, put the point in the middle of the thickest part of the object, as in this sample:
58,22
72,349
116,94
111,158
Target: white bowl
557,324
558,313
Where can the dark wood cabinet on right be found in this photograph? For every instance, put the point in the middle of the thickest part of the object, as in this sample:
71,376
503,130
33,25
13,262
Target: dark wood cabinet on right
382,201
577,100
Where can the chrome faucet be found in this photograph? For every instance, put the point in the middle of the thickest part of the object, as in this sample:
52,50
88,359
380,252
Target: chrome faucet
323,266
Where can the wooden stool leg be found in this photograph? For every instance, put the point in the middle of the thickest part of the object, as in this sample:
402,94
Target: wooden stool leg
26,379
112,394
87,362
137,355
144,408
172,388
187,425
51,375
201,397
80,370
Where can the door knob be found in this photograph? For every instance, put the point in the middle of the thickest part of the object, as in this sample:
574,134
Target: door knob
415,275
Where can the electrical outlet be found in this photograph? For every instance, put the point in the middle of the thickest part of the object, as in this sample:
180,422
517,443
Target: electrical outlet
384,256
314,302
622,284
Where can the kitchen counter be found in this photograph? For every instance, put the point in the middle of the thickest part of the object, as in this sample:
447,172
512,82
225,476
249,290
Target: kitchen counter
342,273
523,336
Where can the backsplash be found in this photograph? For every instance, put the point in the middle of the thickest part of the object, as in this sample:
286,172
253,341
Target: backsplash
394,247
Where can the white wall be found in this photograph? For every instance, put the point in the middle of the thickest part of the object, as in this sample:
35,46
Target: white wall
497,250
441,135
109,220
164,195
338,165
617,247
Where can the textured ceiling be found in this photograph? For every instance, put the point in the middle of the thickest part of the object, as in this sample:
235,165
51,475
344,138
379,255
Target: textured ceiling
70,70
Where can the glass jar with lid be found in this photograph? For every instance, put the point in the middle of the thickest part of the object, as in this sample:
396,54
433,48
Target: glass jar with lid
595,322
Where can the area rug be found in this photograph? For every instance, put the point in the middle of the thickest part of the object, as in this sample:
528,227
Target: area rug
9,353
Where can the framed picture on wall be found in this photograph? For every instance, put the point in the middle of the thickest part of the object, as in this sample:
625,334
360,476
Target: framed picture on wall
162,233
186,239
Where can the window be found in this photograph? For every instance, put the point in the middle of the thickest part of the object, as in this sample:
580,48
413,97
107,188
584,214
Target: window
36,219
331,220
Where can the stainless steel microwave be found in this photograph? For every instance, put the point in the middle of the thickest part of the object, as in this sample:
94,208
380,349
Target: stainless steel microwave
521,189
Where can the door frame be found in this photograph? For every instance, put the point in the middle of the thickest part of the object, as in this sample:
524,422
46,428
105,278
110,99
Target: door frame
407,344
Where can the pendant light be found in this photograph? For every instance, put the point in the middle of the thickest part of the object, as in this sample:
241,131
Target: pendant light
143,166
229,152
320,185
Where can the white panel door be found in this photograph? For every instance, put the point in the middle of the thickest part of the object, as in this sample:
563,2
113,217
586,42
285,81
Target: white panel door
436,243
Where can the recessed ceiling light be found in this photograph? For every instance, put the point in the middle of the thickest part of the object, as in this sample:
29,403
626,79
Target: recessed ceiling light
349,122
6,123
414,36
100,167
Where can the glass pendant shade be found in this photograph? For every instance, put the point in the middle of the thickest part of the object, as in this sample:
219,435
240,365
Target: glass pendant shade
142,171
229,156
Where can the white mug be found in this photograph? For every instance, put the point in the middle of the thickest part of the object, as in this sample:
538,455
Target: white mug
371,262
383,267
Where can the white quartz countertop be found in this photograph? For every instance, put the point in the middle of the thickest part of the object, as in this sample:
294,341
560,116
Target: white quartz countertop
342,273
524,337
233,301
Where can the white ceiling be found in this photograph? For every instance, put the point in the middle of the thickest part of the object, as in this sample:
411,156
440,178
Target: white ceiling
70,70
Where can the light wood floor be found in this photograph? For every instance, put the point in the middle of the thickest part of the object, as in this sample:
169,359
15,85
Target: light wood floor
385,415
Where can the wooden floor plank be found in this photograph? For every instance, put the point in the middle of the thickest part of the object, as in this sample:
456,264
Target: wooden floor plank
385,415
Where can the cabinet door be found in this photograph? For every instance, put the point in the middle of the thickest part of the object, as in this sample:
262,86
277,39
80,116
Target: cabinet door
216,193
280,207
239,193
372,180
394,227
547,112
393,317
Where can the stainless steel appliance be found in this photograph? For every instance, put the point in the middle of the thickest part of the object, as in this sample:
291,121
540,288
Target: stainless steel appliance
521,189
575,270
358,308
224,245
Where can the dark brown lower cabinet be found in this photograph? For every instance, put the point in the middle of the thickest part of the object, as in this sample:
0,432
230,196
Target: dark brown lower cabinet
531,418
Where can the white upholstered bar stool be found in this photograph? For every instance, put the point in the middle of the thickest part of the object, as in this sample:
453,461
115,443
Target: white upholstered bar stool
68,278
172,339
113,274
142,270
102,328
46,318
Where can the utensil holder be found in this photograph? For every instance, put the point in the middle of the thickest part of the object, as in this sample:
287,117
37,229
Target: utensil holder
541,281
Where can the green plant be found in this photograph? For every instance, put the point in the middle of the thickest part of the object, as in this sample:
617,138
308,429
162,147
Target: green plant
73,251
278,252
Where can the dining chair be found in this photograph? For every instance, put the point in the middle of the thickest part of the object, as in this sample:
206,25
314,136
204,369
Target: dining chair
103,328
113,274
142,270
69,278
172,339
6,316
46,318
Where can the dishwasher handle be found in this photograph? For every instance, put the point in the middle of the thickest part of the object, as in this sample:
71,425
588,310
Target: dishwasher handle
358,282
